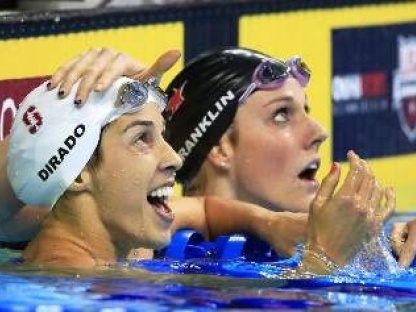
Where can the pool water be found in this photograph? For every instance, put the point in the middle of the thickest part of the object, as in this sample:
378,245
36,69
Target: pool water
135,290
195,283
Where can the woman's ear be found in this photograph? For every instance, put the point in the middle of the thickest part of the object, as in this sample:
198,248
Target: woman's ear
221,155
82,182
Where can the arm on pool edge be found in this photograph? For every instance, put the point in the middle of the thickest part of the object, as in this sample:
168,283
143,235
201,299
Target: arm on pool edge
17,221
213,216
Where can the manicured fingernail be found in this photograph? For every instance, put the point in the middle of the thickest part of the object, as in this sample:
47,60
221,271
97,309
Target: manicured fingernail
77,101
61,93
334,167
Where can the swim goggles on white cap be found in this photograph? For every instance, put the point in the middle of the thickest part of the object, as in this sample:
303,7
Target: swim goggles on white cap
133,95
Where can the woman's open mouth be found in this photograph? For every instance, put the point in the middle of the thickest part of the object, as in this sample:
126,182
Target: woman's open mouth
158,198
308,174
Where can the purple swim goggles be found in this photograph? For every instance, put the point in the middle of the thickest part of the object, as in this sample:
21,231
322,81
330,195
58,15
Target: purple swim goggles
271,74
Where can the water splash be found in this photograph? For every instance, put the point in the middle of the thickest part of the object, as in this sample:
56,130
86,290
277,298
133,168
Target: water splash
375,259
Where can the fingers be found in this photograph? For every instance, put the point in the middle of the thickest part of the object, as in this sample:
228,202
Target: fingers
328,186
101,72
398,237
104,71
121,65
354,177
408,251
375,200
91,73
67,75
367,188
98,68
60,74
162,64
390,205
362,186
366,193
92,70
370,197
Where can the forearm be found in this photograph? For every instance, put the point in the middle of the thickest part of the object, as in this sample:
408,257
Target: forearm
23,226
189,213
213,216
232,216
17,222
9,204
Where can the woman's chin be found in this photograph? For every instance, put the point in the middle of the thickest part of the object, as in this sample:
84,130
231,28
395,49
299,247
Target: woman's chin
162,241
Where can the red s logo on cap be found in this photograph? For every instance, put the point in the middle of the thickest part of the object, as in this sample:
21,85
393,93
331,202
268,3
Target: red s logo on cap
176,100
32,119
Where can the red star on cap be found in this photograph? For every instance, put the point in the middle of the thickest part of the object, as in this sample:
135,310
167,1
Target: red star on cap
176,99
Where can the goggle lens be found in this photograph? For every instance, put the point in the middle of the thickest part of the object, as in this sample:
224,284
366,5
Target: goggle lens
271,74
133,95
299,70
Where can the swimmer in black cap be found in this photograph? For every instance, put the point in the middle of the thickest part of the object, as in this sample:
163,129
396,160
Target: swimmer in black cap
239,120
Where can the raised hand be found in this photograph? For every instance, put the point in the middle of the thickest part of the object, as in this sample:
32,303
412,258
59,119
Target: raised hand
341,222
97,68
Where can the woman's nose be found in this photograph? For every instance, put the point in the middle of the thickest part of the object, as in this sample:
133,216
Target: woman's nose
171,161
318,133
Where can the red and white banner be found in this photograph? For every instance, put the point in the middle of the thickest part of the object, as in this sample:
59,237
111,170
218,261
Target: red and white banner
12,92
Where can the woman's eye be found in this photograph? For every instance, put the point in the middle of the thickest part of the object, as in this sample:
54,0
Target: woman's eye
141,138
281,115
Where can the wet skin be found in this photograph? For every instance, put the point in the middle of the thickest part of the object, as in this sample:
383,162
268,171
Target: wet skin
278,141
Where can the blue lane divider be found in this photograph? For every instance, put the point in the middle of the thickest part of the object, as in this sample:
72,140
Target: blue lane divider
230,255
189,244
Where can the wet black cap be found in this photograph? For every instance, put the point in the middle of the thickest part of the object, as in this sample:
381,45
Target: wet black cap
203,100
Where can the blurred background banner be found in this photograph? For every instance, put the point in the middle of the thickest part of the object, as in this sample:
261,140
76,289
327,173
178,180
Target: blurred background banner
362,54
374,93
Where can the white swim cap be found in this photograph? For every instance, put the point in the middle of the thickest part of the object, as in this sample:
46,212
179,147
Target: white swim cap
52,139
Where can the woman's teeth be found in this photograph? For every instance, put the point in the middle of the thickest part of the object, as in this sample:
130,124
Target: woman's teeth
162,193
159,197
310,171
313,166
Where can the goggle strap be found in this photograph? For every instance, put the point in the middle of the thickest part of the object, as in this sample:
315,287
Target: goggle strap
248,91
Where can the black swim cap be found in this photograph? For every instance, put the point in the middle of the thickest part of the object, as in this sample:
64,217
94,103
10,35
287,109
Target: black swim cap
203,100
